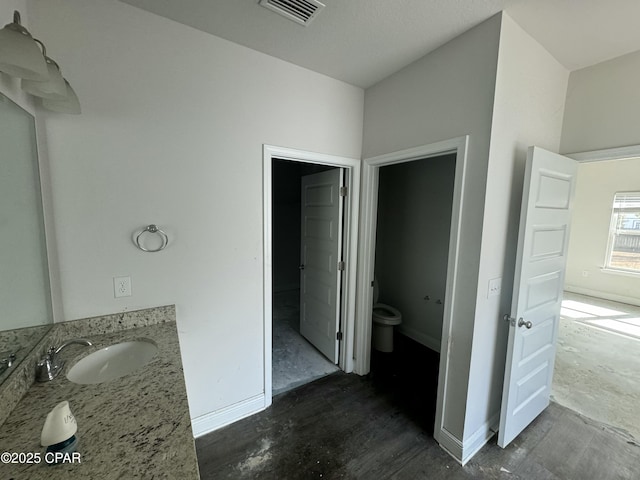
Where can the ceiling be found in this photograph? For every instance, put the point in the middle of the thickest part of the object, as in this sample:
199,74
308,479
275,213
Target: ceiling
363,41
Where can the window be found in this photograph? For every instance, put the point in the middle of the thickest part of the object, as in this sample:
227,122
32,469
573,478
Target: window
623,252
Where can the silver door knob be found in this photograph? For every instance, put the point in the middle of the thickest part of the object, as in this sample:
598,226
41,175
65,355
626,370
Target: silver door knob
527,324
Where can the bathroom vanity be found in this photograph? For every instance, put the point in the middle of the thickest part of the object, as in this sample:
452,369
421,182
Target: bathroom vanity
135,426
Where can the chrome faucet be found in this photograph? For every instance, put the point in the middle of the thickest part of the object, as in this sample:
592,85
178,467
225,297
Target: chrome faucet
6,360
50,366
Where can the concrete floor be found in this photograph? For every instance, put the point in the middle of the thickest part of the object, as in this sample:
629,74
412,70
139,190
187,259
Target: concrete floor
597,370
295,360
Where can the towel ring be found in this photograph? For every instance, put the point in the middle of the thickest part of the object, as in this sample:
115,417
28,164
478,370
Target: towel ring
152,229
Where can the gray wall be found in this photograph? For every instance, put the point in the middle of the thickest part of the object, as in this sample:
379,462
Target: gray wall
505,99
446,94
412,243
597,184
529,100
601,113
602,106
185,152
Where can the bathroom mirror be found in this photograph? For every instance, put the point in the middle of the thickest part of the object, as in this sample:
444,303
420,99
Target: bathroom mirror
25,296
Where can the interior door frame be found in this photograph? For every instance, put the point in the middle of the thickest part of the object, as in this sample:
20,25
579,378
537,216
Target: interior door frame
604,155
369,210
618,153
350,251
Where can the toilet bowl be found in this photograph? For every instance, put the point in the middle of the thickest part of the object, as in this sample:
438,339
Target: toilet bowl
384,319
386,315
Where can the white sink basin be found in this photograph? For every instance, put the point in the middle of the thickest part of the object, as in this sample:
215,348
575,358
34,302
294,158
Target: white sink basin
112,362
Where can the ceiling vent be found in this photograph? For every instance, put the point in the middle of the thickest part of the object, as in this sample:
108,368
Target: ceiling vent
300,11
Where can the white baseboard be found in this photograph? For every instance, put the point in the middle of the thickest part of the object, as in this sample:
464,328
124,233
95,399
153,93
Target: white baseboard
426,340
605,295
480,437
221,418
449,443
462,452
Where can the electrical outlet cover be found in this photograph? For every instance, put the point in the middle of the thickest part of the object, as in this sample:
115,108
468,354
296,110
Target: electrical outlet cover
122,286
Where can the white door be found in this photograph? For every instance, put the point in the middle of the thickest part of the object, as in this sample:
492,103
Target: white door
537,291
321,253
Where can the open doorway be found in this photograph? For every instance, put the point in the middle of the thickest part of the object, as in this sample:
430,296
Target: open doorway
599,334
297,359
345,293
415,201
446,395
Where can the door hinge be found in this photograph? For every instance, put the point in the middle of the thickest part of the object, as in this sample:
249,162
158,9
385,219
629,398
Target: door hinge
343,191
339,336
341,266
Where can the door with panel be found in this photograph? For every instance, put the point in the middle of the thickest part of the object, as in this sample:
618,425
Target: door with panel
543,243
321,260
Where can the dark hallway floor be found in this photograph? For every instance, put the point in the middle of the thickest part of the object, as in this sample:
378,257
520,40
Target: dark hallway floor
380,426
408,377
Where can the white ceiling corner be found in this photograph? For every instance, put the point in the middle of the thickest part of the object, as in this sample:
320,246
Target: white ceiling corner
363,41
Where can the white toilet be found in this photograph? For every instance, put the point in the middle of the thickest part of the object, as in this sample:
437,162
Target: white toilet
384,319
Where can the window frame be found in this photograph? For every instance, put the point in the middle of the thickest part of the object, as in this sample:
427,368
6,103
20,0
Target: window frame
614,231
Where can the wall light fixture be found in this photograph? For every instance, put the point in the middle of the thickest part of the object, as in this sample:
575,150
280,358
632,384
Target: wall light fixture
25,57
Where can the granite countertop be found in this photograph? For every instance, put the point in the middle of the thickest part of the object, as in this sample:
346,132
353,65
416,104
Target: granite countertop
136,426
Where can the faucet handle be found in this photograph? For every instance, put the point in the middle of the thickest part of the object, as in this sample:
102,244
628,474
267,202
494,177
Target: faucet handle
6,360
49,366
46,370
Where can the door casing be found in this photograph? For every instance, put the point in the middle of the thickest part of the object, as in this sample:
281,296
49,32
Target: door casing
350,251
367,243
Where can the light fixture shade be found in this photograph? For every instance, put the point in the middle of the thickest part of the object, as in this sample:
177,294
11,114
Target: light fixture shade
54,88
20,56
69,104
